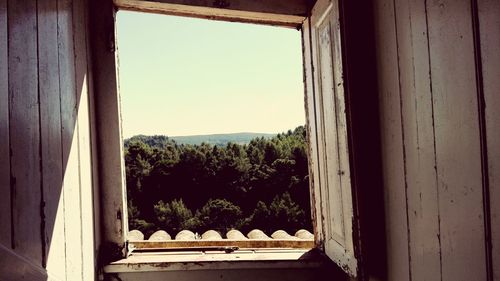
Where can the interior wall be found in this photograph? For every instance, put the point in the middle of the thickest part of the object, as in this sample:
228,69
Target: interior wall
46,176
439,137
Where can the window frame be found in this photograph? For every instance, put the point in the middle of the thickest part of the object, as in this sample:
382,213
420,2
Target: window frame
114,220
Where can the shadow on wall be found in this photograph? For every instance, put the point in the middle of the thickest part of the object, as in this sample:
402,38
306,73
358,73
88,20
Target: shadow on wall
46,209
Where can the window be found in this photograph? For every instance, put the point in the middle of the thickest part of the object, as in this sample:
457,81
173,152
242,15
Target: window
188,88
326,121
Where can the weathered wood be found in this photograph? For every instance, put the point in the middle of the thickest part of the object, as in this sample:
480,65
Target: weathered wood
50,132
24,129
285,13
113,212
281,7
489,24
16,267
418,132
70,149
391,142
252,243
93,139
84,141
5,207
457,138
312,134
334,168
259,259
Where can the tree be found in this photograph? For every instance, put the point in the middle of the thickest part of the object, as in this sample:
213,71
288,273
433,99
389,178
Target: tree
286,214
261,218
220,215
265,181
174,216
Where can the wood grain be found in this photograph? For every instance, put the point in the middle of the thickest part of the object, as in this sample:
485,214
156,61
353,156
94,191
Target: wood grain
489,23
106,99
5,207
391,142
291,14
457,137
418,131
70,149
284,7
84,141
24,129
16,267
312,139
50,132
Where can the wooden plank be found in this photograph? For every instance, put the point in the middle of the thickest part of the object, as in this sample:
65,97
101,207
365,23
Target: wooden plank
457,139
93,141
489,23
86,187
5,207
238,11
246,244
344,171
391,142
24,129
281,7
50,132
69,106
241,259
109,138
312,141
15,267
418,131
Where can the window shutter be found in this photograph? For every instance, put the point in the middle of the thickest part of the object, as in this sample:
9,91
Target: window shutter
328,140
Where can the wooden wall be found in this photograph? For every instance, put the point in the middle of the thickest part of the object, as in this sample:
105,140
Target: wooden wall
46,177
439,94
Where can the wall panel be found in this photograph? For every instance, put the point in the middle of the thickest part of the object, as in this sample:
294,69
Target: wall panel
24,129
50,130
489,28
457,138
418,132
391,141
5,210
438,78
45,142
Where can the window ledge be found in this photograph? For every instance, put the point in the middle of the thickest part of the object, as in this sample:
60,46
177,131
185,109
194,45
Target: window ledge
217,260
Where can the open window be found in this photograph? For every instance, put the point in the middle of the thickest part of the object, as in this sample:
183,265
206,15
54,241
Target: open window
326,108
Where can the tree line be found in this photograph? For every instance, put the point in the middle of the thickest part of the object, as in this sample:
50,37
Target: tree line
263,184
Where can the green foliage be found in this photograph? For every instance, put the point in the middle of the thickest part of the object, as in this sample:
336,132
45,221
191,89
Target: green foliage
220,215
286,213
174,216
261,184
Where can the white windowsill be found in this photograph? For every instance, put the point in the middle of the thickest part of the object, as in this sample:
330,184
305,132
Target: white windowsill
216,260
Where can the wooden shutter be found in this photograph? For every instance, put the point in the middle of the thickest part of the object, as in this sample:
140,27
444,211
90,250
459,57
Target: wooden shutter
329,154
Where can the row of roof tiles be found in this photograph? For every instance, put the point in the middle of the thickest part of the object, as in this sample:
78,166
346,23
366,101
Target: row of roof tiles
186,235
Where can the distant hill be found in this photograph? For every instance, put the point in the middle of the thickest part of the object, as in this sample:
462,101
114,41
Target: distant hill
221,139
214,139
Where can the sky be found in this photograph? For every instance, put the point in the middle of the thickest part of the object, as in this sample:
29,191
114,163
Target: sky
183,76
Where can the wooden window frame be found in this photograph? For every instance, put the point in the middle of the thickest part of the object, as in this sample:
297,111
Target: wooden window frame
107,100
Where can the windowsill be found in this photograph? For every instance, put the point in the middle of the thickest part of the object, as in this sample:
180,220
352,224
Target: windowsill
217,260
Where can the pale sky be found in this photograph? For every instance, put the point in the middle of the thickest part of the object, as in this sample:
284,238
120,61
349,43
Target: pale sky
184,76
